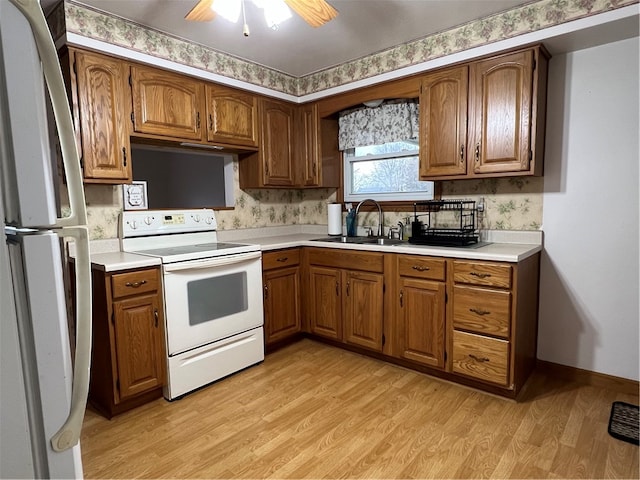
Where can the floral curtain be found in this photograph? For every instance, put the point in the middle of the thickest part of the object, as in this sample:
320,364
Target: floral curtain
392,121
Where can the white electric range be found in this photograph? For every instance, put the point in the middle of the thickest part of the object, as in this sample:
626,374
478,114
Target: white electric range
212,294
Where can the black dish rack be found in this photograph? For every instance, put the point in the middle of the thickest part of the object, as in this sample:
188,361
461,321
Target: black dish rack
445,223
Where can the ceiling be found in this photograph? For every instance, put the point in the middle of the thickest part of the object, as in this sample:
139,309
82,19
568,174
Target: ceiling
362,27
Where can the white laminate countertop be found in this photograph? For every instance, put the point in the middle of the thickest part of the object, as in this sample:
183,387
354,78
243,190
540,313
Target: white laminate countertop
114,261
506,246
500,252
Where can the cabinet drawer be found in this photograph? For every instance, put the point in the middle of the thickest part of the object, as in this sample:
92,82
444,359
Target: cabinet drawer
134,283
479,273
421,267
481,357
280,258
481,310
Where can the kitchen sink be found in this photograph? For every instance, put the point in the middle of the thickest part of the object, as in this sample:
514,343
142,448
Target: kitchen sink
362,240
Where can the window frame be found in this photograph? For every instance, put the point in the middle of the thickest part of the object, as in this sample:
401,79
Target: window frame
349,159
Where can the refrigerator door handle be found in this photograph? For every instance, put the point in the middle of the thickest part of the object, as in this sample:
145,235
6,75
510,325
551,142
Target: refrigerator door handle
69,433
55,83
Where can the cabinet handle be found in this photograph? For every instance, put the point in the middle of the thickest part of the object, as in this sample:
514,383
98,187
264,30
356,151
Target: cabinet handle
266,292
401,298
479,311
155,316
210,122
337,289
124,156
478,152
480,274
462,153
135,284
282,259
348,284
479,359
197,119
420,268
314,169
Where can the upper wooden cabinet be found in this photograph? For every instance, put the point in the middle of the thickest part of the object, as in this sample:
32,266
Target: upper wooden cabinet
99,84
443,118
273,164
232,116
308,147
500,92
505,97
166,104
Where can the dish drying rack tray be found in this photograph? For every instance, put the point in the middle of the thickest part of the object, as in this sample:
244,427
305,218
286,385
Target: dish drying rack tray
444,222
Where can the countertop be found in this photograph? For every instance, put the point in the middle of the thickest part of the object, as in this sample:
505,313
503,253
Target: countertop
505,246
114,261
500,252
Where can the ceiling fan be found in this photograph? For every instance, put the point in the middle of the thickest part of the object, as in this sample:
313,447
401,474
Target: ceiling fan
315,12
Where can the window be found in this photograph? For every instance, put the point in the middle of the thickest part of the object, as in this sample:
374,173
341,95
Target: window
384,172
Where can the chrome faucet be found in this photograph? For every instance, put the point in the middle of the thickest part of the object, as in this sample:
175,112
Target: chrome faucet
380,217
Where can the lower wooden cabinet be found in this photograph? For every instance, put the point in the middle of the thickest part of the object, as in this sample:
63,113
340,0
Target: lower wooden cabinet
346,293
281,283
494,320
128,357
471,322
421,309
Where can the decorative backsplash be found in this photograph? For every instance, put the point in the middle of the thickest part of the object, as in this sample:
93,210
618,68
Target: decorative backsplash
95,24
510,204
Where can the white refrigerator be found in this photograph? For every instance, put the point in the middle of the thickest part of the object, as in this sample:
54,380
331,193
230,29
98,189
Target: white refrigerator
42,393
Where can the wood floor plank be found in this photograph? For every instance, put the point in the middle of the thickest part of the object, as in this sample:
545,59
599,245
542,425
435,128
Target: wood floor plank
314,411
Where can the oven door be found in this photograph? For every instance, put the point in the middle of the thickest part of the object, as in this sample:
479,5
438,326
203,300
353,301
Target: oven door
211,299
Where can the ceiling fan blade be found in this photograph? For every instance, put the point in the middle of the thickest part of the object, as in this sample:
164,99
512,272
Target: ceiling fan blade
314,12
201,12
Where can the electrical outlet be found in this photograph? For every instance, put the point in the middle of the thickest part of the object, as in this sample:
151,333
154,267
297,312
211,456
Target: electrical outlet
481,205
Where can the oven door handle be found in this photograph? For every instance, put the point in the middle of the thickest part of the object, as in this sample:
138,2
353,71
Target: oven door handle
211,262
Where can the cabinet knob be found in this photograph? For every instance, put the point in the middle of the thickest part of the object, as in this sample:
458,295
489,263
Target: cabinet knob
480,274
420,268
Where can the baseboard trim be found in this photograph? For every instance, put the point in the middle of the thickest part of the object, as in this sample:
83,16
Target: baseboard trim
587,377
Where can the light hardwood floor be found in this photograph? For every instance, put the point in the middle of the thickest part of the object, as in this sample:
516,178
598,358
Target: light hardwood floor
314,411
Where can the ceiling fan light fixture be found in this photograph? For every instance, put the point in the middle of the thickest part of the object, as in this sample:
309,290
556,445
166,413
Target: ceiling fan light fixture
275,12
227,9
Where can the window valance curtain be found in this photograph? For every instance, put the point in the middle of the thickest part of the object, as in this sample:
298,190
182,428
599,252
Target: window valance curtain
392,121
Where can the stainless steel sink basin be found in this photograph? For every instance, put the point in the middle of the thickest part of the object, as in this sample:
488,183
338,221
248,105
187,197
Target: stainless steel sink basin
362,240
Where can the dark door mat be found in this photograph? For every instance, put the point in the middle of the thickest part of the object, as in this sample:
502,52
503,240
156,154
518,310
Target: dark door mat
623,422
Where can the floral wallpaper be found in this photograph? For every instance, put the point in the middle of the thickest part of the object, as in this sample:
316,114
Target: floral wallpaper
510,203
95,24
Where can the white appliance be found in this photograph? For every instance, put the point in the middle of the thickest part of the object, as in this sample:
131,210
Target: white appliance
212,295
42,396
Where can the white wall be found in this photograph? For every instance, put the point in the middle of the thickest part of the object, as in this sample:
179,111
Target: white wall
589,273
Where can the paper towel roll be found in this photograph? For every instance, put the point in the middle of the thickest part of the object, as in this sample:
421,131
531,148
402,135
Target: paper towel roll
334,222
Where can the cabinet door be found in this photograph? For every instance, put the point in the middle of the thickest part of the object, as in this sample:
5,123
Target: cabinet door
166,104
308,144
281,303
276,143
138,325
324,302
104,105
443,123
422,321
364,314
232,116
500,92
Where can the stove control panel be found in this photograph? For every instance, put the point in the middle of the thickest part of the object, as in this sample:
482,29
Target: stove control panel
159,222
